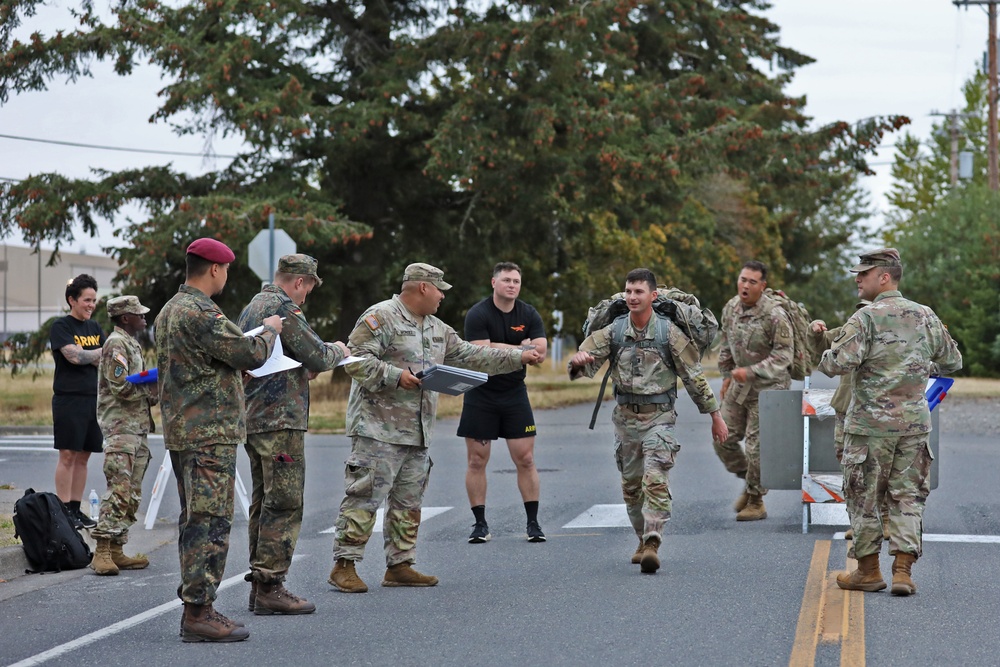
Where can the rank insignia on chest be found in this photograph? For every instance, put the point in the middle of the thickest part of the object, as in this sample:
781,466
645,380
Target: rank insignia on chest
373,322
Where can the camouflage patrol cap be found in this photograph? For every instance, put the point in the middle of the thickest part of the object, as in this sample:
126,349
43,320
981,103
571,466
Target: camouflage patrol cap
300,264
121,305
426,273
881,257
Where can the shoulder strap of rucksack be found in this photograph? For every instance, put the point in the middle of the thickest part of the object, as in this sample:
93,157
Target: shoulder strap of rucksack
617,337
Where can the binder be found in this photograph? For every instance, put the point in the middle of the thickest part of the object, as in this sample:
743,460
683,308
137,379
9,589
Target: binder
937,389
450,380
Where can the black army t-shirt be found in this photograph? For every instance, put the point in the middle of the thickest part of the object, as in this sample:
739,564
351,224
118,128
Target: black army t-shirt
485,321
73,378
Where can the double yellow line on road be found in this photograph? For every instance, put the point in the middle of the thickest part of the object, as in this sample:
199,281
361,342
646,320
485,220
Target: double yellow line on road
829,615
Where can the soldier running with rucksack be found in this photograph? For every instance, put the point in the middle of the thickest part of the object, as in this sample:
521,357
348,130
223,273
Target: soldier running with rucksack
645,378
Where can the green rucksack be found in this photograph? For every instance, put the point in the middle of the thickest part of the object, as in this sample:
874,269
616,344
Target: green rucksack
680,308
802,354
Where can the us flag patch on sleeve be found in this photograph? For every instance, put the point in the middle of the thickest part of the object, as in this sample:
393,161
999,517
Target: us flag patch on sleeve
373,322
120,358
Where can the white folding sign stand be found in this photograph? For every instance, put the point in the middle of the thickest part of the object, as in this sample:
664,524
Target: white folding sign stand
163,476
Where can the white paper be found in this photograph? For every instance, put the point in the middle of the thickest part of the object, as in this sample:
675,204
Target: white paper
277,362
350,360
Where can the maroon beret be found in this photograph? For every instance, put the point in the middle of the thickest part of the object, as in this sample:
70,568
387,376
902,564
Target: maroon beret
212,250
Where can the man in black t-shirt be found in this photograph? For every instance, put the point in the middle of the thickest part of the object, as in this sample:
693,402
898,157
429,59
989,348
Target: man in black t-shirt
500,408
76,342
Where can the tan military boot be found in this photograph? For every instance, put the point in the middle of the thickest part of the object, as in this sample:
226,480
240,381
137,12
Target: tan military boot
902,584
637,556
184,612
345,578
102,562
754,510
403,574
650,561
741,501
137,562
274,598
868,576
201,623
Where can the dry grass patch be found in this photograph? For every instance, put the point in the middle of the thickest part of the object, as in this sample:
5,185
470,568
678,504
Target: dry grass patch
976,387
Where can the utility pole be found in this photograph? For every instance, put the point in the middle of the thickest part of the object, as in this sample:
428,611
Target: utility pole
953,134
994,170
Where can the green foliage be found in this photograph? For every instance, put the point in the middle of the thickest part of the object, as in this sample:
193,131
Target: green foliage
578,139
951,260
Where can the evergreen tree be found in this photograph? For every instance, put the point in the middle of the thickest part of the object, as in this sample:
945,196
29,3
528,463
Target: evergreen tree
580,139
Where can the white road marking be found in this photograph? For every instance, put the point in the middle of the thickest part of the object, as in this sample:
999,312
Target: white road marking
945,537
602,516
425,514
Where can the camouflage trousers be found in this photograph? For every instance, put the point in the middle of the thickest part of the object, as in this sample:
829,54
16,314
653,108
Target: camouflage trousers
378,471
743,420
891,470
126,458
278,471
205,485
645,450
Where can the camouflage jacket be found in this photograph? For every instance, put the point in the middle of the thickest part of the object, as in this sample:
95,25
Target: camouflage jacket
280,401
199,356
391,338
890,347
123,407
758,338
643,370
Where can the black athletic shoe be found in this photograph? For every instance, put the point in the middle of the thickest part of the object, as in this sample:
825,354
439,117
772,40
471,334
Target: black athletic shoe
480,533
535,533
77,524
85,521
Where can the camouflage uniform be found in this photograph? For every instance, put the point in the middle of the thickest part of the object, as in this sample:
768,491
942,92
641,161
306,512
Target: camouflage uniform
888,348
391,427
758,338
199,356
645,447
124,417
277,420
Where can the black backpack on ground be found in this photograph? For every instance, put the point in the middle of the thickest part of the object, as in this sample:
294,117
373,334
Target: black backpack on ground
46,531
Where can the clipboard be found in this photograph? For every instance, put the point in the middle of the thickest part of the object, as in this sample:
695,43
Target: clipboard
450,380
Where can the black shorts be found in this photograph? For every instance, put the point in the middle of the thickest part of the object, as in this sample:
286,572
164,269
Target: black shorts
74,423
505,415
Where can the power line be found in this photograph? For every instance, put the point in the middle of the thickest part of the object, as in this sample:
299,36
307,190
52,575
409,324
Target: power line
114,148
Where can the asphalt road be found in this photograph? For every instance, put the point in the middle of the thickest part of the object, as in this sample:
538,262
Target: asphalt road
728,593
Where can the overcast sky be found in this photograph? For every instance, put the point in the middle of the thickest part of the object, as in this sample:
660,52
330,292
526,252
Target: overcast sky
874,57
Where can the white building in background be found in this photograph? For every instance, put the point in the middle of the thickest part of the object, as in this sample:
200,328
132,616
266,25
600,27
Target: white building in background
33,292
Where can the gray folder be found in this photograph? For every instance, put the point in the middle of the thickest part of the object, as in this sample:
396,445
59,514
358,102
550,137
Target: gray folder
450,380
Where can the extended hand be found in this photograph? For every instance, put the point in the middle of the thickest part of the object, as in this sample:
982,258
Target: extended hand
530,357
273,321
740,375
581,358
408,380
719,429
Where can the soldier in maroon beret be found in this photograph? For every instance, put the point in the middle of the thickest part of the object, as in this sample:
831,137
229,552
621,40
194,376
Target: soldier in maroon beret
200,356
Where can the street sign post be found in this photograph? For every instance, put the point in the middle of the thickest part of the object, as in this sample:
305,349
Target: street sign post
261,258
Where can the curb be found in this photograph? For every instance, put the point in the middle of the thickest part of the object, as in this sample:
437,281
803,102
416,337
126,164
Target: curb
25,430
13,562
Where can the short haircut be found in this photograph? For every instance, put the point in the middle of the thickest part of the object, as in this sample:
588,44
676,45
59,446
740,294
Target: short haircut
197,266
505,266
642,276
76,286
283,278
895,272
117,319
761,267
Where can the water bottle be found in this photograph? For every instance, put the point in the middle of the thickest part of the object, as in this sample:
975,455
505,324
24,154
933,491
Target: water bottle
95,505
